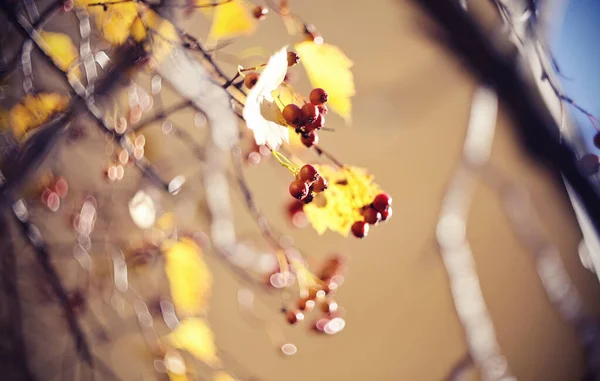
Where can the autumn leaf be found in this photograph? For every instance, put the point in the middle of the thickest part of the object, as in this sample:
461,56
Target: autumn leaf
339,206
112,20
34,110
61,49
328,67
231,19
189,277
223,376
195,336
261,112
158,34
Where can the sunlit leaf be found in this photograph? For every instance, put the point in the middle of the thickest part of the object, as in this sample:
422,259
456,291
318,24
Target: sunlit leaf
158,34
195,336
232,19
177,377
336,209
261,112
60,48
34,110
112,20
189,277
329,68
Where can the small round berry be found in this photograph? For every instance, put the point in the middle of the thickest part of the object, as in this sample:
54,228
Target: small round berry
306,304
316,124
323,109
251,79
308,173
298,189
310,112
360,229
381,202
320,185
589,164
372,216
318,96
597,140
293,59
294,316
260,12
309,139
292,115
387,214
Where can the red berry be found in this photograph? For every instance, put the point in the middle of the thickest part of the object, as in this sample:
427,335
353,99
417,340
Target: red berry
387,214
292,115
597,140
372,216
298,189
381,202
308,173
360,229
323,109
251,79
320,185
293,59
309,198
260,12
316,124
318,96
309,112
309,139
294,316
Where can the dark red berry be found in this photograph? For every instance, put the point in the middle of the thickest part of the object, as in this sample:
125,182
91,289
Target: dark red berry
372,216
381,202
597,140
251,79
294,316
320,185
387,214
589,164
308,173
360,229
293,58
316,124
298,189
260,12
292,115
318,96
323,109
309,139
309,112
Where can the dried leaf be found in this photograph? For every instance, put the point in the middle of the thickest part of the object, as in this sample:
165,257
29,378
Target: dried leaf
195,336
112,20
189,277
329,68
35,110
336,209
60,48
232,19
158,34
261,113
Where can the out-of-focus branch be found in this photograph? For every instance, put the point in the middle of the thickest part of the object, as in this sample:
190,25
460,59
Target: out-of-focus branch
535,126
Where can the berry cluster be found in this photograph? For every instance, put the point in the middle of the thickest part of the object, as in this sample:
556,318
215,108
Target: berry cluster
330,320
309,118
378,211
53,192
307,183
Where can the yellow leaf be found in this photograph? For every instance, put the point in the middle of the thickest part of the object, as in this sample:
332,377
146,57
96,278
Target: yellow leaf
223,376
189,277
113,20
232,19
195,336
337,208
158,34
177,377
329,68
35,110
60,48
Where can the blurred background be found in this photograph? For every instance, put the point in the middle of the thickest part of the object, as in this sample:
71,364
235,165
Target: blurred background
410,117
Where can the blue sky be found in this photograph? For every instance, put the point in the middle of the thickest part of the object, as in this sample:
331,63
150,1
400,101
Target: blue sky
576,45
